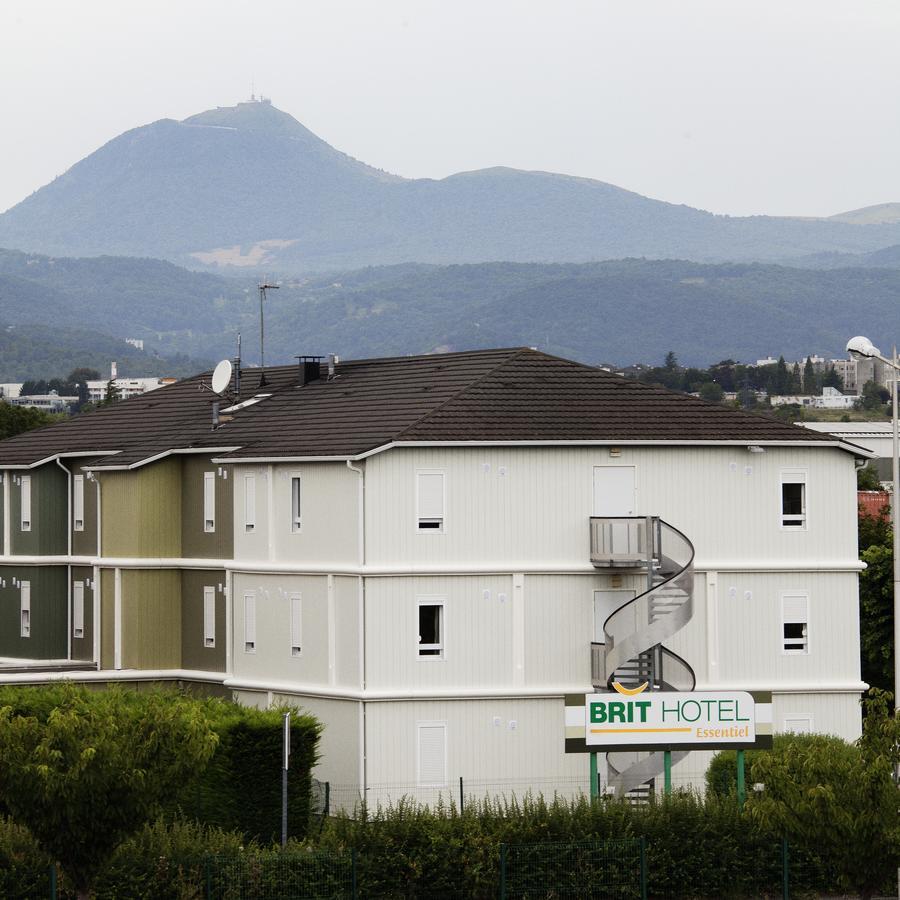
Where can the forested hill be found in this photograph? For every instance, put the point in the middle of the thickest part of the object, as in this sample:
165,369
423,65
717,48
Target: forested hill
249,186
623,311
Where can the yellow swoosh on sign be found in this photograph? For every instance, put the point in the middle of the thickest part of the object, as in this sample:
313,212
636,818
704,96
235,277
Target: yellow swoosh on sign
630,692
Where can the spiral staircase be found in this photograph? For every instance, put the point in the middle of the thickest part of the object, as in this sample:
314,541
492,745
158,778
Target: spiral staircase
634,651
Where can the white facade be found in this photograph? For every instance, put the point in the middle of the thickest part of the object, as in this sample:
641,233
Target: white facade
128,387
506,574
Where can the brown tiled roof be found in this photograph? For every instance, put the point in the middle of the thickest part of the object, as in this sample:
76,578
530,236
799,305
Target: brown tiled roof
487,395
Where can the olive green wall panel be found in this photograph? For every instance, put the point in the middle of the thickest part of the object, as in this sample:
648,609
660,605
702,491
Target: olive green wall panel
107,619
141,510
151,619
49,511
194,654
49,612
195,541
83,647
84,543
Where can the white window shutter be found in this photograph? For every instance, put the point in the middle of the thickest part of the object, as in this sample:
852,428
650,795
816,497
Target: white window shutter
209,501
209,616
296,625
431,495
796,608
78,609
26,503
25,608
78,502
296,504
250,502
432,753
250,621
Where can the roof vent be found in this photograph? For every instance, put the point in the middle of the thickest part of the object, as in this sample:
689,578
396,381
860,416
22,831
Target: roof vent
333,360
308,368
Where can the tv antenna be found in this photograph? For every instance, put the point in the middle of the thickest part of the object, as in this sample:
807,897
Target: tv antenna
265,286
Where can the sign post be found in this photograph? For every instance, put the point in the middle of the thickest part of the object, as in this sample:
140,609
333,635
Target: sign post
286,758
595,787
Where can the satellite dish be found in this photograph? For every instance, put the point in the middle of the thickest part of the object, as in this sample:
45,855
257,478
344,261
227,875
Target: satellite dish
221,376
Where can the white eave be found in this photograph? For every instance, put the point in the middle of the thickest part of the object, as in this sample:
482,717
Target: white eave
177,451
840,445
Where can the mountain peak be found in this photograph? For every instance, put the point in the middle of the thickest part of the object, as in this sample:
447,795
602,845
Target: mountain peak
251,115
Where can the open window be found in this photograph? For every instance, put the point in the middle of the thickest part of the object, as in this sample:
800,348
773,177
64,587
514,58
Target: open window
430,501
795,623
431,628
793,499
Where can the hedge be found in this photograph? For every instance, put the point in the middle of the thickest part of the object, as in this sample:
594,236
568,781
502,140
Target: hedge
240,789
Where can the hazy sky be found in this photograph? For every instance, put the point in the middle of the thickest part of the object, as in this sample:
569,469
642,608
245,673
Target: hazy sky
768,106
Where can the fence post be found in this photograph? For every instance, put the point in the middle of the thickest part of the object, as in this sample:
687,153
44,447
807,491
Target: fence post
643,868
785,870
462,801
53,881
353,884
327,799
667,772
741,780
503,872
208,866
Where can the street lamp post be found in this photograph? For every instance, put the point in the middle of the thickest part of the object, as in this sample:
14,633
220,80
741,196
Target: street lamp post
862,348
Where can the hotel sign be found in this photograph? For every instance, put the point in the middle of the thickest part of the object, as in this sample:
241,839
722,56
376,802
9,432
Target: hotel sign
664,720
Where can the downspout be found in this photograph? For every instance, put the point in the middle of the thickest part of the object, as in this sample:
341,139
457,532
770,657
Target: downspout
361,581
69,553
7,517
97,573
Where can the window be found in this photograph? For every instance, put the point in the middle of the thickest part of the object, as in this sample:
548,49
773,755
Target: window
296,521
209,501
432,753
26,503
296,625
25,608
209,616
78,503
431,629
430,501
250,623
249,503
78,609
793,499
795,623
800,724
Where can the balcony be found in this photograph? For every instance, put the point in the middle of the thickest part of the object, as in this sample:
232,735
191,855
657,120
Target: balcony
624,543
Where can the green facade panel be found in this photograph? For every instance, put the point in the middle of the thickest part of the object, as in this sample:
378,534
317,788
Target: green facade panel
46,532
47,614
151,619
195,654
195,540
84,541
107,619
83,646
141,510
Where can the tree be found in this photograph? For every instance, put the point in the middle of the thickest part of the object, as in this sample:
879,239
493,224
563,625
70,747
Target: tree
876,615
867,479
113,394
809,377
872,397
83,770
711,392
671,361
16,419
839,798
832,379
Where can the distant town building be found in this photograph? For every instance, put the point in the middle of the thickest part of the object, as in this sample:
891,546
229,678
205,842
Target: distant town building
10,389
135,342
128,387
831,398
51,402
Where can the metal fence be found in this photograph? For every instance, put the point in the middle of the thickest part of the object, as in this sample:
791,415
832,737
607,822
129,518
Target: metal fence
610,869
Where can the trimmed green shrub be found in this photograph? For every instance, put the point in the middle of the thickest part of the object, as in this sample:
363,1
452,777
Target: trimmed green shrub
240,788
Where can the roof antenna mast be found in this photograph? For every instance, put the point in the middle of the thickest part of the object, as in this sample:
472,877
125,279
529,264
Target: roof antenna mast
265,286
